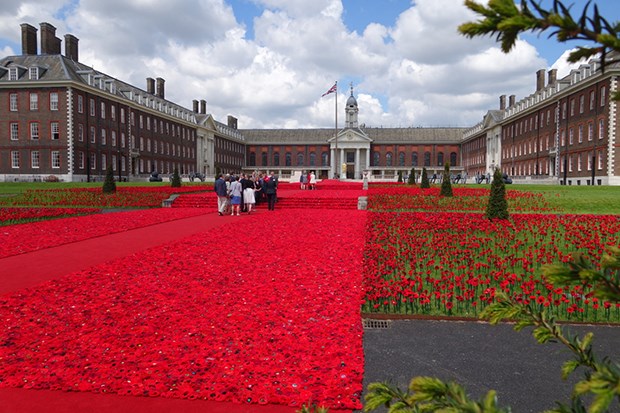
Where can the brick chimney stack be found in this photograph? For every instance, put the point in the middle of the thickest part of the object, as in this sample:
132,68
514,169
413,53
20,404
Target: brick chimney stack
50,44
540,80
553,76
203,107
502,102
160,87
29,39
232,122
71,47
195,105
150,85
511,100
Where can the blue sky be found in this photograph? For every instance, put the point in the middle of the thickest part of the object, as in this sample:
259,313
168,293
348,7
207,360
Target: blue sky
267,62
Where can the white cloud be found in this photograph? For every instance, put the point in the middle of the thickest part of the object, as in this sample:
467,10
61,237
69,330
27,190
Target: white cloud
563,66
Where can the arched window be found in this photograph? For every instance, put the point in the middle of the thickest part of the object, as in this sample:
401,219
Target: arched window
276,159
440,158
325,159
388,159
452,158
414,159
376,158
401,159
287,159
312,159
252,158
427,159
263,159
300,159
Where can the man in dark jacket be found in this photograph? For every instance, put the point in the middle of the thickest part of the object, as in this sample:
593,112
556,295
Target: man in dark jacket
270,187
222,194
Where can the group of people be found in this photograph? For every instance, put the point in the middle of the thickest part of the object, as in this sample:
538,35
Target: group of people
241,193
307,180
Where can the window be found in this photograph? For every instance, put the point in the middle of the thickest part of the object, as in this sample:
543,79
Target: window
276,159
252,158
562,138
81,160
312,159
590,131
263,158
113,138
80,104
572,107
93,161
452,158
388,159
580,136
603,95
592,100
55,159
601,128
13,73
414,159
14,159
123,163
401,159
300,159
104,161
33,73
570,136
114,162
427,159
324,159
581,104
600,160
123,141
34,130
113,112
81,133
92,107
103,137
55,129
570,163
13,102
122,115
590,160
93,135
34,101
102,110
53,101
579,162
35,159
14,131
287,159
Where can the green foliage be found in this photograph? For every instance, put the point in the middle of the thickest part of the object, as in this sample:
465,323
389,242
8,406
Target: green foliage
312,408
446,185
400,176
497,208
425,183
109,185
411,180
601,377
175,181
504,19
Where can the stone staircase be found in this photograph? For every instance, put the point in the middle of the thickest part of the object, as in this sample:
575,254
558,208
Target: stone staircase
209,201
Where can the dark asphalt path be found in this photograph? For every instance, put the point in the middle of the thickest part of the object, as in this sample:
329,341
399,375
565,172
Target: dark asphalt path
480,357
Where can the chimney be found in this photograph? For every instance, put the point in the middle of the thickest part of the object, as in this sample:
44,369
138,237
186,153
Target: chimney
150,85
502,102
195,105
50,44
160,87
203,107
29,39
540,80
553,76
511,100
232,122
71,47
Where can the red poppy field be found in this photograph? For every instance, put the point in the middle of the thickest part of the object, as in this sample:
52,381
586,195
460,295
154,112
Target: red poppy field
270,316
10,216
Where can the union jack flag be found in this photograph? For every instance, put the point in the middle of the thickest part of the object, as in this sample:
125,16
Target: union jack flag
331,90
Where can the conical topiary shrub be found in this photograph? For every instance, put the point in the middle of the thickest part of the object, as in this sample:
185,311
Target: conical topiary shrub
425,183
175,181
446,185
109,186
497,208
411,180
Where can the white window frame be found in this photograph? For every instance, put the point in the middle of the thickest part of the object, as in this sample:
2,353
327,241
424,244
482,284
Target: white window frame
13,102
15,159
35,159
34,101
55,159
33,73
601,128
81,160
102,110
104,161
93,161
14,127
93,135
80,132
13,73
55,130
104,136
80,104
54,101
34,130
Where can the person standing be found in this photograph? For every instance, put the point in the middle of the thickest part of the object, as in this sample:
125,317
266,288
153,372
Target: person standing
312,181
248,194
235,195
270,187
222,194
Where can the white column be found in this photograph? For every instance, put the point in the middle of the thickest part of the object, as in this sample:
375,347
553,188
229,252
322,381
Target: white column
332,162
357,164
368,159
342,160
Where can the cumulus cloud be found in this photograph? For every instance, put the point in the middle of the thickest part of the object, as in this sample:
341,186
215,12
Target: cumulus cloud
415,71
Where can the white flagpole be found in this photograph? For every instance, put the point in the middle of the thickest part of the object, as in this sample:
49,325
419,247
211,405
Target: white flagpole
337,169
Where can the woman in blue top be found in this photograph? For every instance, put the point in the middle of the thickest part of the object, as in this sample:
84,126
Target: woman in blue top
235,195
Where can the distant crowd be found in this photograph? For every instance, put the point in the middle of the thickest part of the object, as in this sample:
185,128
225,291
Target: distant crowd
241,193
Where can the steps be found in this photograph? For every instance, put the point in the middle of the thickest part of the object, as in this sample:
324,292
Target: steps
288,201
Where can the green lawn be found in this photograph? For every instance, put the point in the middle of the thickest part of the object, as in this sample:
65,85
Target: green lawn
15,188
579,199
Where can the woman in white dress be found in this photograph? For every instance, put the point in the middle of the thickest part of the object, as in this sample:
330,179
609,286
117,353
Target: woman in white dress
248,194
312,182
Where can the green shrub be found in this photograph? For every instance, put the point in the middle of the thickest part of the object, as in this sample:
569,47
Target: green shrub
425,183
497,208
109,185
411,180
446,185
175,181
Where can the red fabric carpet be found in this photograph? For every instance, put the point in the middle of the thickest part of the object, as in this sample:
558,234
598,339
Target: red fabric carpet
30,269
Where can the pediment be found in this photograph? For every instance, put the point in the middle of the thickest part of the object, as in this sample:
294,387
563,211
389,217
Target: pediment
354,136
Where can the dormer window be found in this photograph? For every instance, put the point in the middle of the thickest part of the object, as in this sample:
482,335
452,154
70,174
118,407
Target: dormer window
13,73
34,73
